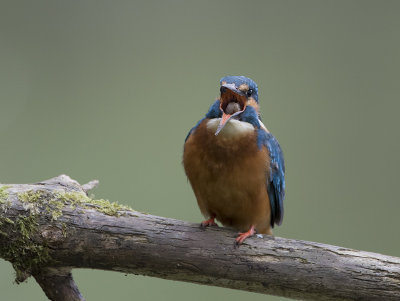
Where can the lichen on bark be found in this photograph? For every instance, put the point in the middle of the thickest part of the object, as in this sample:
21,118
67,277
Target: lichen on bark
23,250
54,202
25,254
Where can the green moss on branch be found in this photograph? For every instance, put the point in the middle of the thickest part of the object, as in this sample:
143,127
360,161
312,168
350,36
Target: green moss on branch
4,194
21,249
27,252
53,203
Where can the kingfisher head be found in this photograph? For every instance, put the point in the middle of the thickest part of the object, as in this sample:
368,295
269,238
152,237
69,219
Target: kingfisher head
237,92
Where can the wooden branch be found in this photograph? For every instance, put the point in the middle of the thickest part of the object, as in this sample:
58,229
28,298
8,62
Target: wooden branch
58,284
50,227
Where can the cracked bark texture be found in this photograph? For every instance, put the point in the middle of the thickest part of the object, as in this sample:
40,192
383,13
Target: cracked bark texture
171,249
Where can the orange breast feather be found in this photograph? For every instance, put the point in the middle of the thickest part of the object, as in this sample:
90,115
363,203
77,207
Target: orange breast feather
228,177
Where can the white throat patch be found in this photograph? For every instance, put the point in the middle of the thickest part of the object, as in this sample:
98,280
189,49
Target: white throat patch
232,128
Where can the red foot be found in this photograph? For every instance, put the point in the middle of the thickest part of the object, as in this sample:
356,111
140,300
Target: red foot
242,236
209,222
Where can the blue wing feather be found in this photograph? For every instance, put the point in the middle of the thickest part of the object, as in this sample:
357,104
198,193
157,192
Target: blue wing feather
276,175
193,128
213,112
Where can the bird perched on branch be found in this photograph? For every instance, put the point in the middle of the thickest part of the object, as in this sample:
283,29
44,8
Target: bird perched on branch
234,164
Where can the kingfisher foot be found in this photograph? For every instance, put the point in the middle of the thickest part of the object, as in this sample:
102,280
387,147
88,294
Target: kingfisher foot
208,223
242,236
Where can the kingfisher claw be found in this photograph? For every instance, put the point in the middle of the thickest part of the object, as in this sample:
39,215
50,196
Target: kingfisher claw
208,223
242,236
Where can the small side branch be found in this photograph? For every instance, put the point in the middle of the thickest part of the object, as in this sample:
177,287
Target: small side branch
58,285
89,186
51,227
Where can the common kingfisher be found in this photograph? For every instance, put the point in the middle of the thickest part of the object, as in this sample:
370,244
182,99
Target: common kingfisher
234,164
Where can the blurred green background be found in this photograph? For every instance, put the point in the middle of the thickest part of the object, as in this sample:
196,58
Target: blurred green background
109,89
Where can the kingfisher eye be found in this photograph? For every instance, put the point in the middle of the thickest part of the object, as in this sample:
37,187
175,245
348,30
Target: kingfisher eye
249,92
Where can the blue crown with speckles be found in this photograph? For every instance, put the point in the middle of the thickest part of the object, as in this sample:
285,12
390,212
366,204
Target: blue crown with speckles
240,80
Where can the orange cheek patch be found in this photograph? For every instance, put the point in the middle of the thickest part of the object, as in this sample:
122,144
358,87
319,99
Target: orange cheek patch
253,103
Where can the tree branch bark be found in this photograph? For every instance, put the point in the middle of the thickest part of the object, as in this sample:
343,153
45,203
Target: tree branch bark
58,284
48,228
